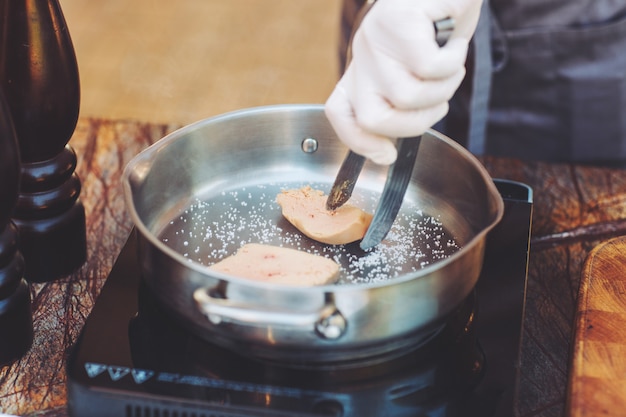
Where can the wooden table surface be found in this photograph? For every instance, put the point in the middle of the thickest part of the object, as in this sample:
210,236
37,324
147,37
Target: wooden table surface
575,208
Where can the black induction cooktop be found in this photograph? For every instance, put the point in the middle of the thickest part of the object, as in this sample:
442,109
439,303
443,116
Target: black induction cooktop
134,359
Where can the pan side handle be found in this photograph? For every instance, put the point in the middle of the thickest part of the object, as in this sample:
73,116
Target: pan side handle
327,322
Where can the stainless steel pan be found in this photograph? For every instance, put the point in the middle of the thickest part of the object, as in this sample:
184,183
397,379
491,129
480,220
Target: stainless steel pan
201,192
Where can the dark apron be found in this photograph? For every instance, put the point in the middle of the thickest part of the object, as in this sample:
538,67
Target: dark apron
546,81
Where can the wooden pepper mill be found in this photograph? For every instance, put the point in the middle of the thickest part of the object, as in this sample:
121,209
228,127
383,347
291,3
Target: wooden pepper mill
16,323
39,75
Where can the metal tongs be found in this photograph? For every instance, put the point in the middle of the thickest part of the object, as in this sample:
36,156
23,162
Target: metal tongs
398,176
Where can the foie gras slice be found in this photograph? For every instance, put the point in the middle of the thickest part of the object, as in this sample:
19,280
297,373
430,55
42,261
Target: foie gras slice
305,208
278,265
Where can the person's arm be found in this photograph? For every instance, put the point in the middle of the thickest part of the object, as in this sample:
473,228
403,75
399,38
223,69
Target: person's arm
399,81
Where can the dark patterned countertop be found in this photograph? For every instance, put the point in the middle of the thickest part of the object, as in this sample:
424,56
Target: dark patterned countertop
575,208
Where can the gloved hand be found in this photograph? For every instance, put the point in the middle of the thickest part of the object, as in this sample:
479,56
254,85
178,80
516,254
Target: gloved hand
399,80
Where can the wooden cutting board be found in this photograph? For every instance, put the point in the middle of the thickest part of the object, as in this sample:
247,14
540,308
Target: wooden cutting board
597,382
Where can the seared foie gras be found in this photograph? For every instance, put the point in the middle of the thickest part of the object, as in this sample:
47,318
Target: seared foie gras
305,208
277,265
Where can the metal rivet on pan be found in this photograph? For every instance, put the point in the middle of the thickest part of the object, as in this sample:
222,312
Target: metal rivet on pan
309,145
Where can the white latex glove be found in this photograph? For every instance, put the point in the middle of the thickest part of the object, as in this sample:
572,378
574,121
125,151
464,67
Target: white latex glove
399,80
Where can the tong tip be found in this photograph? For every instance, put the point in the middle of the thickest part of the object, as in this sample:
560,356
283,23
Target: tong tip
339,194
345,181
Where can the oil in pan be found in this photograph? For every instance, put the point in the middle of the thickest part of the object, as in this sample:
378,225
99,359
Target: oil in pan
215,227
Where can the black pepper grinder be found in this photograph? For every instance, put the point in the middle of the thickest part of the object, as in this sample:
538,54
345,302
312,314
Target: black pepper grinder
39,75
16,323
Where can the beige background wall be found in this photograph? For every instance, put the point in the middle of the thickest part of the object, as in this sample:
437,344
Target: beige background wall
184,60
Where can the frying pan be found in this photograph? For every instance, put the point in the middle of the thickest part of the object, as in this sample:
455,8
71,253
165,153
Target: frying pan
203,191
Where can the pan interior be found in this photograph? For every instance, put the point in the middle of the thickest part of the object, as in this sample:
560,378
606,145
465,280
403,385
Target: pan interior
216,224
